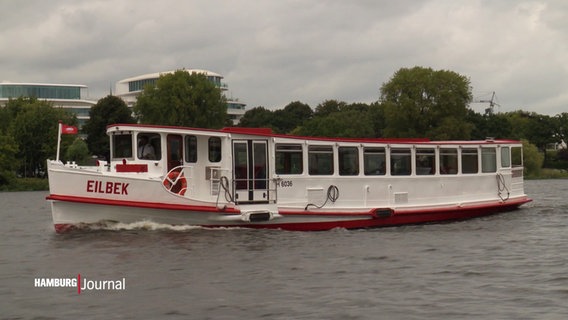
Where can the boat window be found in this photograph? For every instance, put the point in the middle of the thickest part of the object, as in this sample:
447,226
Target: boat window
488,160
348,161
470,160
241,165
122,146
425,161
320,160
374,161
505,157
149,146
401,164
517,156
289,159
214,149
448,161
191,149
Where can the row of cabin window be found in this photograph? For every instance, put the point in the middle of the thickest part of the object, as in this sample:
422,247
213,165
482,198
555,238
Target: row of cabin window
213,147
289,160
123,147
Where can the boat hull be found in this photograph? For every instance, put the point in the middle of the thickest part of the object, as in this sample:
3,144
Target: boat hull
72,212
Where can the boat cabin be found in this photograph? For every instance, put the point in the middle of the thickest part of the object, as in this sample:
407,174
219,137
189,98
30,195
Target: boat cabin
257,166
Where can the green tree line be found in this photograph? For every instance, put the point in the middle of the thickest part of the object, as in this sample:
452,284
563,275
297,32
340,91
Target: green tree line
415,102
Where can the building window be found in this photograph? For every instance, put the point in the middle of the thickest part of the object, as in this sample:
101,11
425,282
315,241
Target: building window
348,161
139,85
401,164
425,161
470,160
488,160
190,149
320,160
374,161
289,159
40,91
214,149
448,161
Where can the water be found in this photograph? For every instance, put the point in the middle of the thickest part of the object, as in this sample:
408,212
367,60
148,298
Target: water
508,266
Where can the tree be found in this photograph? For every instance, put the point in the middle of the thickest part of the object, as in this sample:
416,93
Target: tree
346,124
539,129
182,99
532,159
562,126
35,131
258,117
108,110
421,102
292,116
376,114
348,121
327,107
496,125
78,152
8,160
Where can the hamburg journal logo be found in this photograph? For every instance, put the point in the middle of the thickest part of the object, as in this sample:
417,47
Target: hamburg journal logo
81,284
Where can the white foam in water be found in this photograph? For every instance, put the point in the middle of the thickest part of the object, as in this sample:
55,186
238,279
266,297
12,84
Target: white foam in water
146,225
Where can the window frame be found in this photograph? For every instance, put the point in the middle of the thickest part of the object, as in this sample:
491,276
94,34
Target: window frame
190,141
348,167
372,156
425,161
285,153
214,150
321,154
401,157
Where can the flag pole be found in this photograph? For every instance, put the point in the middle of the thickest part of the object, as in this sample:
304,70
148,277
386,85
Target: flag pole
58,140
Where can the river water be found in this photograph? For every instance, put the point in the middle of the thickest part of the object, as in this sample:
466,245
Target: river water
507,266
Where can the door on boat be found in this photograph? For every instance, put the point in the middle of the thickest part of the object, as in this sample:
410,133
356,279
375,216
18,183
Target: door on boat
175,151
250,171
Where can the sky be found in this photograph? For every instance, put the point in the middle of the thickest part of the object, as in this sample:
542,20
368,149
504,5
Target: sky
272,53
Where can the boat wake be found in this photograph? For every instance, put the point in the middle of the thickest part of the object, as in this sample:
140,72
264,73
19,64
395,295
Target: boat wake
145,225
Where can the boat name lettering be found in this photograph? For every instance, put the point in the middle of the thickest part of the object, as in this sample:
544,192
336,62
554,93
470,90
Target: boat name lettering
284,183
97,186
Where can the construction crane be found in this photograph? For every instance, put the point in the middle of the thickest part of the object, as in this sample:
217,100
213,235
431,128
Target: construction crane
492,104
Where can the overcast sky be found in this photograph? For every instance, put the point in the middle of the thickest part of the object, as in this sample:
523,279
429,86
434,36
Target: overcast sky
274,52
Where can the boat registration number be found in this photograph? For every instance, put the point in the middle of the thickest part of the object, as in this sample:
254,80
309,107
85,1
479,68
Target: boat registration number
284,183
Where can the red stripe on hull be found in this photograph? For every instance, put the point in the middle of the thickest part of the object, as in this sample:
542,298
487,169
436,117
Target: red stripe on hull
141,204
399,219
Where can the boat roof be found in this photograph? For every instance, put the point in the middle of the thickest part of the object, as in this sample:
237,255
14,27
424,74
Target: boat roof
267,132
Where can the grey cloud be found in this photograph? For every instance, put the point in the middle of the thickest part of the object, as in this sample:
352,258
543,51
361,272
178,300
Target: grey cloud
275,52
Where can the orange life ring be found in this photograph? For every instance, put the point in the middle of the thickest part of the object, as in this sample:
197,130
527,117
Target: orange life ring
179,186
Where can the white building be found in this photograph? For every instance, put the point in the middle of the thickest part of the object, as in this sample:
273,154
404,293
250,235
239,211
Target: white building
129,89
67,96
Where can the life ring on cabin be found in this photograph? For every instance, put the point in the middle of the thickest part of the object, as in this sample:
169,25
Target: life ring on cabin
175,182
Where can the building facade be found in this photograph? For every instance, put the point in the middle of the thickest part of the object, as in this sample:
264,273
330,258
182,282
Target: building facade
70,97
129,89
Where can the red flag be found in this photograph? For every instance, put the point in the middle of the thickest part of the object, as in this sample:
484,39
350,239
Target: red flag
65,129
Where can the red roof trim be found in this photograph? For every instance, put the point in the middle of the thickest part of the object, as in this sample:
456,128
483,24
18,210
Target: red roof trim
267,132
254,131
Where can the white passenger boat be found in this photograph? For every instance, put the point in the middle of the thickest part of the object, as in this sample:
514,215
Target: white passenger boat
242,177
